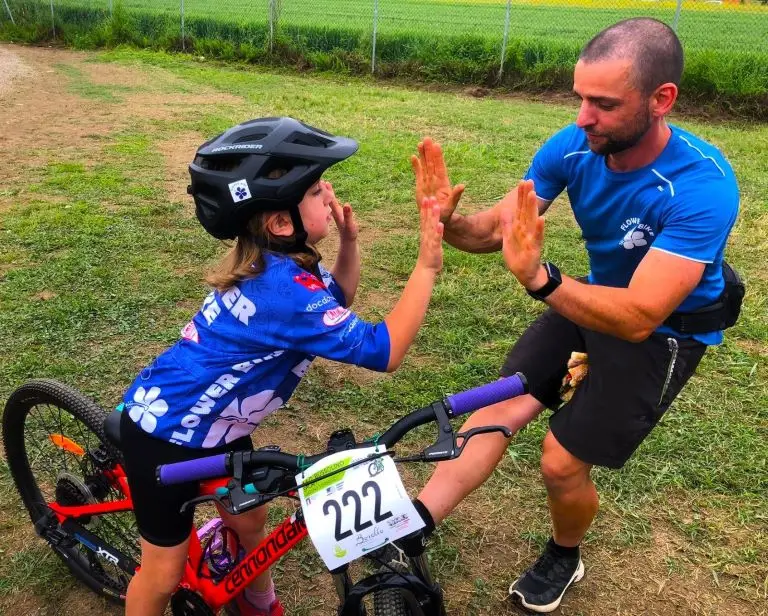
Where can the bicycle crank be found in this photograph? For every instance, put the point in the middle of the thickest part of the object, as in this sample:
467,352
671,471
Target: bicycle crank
187,603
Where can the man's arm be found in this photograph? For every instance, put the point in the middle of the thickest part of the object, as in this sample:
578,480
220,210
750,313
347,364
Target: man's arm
482,232
659,285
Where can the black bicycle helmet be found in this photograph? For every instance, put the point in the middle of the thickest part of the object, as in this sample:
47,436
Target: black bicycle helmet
233,174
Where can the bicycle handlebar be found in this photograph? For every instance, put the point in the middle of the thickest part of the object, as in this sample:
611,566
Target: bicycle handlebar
454,405
485,395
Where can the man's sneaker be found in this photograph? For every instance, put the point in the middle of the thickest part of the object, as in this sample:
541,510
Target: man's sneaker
541,588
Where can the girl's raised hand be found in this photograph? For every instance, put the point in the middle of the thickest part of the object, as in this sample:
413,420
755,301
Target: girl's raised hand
431,230
343,216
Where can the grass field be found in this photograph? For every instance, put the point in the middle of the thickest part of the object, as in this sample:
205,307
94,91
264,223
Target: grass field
701,25
101,262
449,42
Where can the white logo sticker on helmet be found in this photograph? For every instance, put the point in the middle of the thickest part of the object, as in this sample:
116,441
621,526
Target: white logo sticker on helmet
239,191
337,315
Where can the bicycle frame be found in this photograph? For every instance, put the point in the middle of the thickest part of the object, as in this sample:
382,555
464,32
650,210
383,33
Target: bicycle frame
64,526
217,594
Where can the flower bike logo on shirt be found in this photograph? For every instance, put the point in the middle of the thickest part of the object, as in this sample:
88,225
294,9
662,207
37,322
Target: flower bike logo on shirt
309,282
146,407
248,412
636,234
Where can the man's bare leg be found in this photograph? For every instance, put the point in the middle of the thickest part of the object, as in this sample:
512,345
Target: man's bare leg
453,480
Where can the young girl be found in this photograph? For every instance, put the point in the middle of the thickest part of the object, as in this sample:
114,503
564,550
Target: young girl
273,309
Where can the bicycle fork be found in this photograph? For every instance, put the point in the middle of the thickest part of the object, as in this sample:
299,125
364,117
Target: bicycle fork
342,581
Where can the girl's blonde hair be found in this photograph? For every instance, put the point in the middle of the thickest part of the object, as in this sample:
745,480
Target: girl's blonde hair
246,257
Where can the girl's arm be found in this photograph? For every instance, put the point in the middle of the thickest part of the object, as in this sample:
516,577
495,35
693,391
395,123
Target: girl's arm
316,324
346,269
404,321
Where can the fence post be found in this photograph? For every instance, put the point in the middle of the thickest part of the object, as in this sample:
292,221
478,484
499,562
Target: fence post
375,27
53,21
271,26
183,34
7,8
504,40
677,15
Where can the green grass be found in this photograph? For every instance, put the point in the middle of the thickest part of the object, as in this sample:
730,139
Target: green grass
459,42
99,270
713,28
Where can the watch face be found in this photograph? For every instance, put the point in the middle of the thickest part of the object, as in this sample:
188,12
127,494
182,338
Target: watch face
552,272
553,281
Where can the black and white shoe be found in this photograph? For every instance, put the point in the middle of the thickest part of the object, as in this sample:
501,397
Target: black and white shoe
541,588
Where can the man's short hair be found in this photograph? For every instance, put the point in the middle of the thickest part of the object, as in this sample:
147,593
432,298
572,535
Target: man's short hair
651,45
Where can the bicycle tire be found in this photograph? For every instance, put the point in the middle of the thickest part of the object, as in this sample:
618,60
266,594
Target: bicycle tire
390,602
42,408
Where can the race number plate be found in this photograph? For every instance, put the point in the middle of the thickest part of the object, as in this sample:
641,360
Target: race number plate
352,512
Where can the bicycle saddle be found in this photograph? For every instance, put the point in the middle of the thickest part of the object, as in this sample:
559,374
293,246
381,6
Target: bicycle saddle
111,427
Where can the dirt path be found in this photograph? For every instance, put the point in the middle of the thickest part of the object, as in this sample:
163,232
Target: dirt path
12,69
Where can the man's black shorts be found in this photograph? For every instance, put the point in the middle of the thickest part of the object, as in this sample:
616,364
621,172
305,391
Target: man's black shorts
628,388
157,507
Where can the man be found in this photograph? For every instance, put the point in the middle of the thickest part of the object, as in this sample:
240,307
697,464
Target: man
655,205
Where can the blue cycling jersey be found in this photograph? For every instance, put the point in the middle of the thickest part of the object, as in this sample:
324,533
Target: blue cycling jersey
684,203
243,354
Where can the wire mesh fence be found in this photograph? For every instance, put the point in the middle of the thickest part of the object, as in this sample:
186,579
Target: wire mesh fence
509,42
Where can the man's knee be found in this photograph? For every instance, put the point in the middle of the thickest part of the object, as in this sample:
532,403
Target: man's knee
561,470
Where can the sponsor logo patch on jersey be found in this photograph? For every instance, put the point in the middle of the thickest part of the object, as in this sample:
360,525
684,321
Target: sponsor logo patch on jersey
337,315
309,282
189,332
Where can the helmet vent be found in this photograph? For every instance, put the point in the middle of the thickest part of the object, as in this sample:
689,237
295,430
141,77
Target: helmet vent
313,141
276,167
250,138
219,163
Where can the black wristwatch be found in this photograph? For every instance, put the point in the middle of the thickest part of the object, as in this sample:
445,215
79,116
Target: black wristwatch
554,280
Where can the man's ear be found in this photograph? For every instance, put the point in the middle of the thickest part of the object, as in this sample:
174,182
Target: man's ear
663,99
279,224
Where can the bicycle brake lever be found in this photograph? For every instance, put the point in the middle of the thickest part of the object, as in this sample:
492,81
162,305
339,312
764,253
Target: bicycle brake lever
205,499
480,430
444,447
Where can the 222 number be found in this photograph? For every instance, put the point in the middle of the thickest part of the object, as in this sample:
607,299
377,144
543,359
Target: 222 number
354,497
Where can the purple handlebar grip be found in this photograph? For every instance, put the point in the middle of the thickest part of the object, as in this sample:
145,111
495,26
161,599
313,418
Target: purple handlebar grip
192,470
485,395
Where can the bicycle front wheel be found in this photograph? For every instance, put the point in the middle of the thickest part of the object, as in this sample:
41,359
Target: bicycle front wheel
57,452
390,602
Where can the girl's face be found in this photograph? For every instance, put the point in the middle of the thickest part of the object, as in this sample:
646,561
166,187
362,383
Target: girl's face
315,210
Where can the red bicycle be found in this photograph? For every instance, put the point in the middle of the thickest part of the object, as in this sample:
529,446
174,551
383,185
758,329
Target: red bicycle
63,451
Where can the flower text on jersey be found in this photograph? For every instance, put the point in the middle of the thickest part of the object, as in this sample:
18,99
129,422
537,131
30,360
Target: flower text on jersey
238,304
207,401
